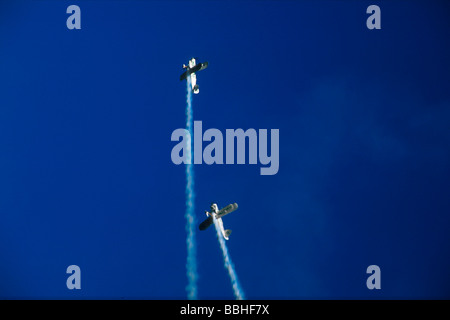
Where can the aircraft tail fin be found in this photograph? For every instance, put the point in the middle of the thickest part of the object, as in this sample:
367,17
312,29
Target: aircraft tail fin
196,89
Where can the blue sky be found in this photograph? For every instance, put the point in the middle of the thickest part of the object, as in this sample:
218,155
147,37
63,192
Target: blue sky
86,118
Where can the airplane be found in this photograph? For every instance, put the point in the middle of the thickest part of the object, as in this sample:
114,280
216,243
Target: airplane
192,68
218,214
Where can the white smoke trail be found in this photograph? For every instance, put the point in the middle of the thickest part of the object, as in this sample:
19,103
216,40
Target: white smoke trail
191,264
228,264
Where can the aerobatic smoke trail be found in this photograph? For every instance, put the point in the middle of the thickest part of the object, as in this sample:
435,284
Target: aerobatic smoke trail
191,264
228,264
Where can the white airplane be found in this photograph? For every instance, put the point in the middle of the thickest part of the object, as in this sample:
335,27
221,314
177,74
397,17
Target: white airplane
218,214
192,68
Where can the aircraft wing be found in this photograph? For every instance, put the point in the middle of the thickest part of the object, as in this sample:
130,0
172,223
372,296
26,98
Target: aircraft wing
184,75
205,224
201,66
198,67
228,209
